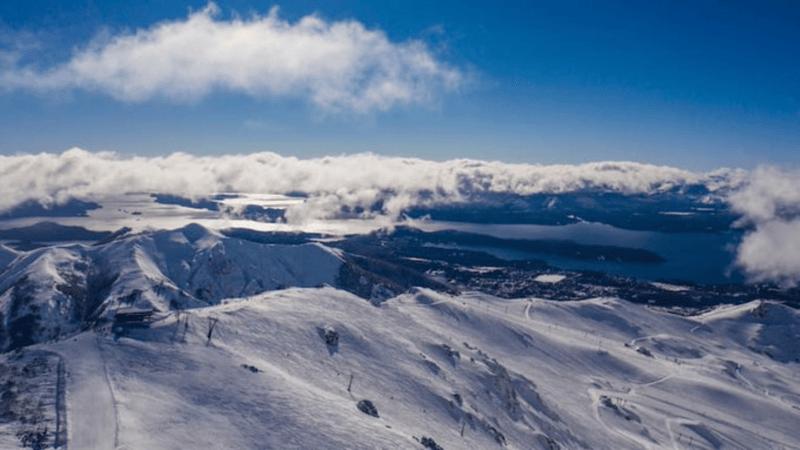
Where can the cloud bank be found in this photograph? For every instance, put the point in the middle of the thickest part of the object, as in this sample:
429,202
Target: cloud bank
768,199
770,205
337,66
355,181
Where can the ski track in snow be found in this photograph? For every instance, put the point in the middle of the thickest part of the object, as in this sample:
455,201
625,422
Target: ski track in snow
92,416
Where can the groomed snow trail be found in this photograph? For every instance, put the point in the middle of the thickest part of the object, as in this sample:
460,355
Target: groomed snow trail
92,419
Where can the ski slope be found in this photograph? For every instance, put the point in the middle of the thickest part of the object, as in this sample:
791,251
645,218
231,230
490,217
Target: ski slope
466,372
91,411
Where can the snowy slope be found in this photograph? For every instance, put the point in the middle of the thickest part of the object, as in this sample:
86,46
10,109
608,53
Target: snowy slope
54,291
193,264
258,345
6,256
287,369
42,295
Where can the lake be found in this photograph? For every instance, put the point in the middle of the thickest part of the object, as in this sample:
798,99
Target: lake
704,258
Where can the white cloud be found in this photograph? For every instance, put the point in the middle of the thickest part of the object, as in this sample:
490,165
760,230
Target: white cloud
768,199
772,252
770,205
336,65
355,180
770,193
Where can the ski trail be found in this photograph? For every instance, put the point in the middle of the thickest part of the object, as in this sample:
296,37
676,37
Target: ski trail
60,439
743,378
651,336
660,380
91,413
668,422
698,326
595,395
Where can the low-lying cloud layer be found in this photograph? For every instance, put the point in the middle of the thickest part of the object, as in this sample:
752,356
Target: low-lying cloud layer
336,65
355,181
768,199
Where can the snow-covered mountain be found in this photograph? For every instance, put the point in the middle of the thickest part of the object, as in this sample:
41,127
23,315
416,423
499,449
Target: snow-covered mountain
53,291
242,339
322,368
6,256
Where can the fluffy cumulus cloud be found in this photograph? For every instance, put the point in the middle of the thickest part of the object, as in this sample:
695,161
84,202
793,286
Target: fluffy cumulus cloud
770,206
772,252
336,65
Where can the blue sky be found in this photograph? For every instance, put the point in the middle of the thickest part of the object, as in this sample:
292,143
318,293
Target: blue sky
697,85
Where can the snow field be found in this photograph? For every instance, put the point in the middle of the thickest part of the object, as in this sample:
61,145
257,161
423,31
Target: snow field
469,371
